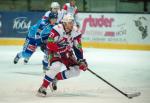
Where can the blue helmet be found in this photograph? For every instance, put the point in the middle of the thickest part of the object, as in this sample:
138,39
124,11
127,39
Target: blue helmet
53,15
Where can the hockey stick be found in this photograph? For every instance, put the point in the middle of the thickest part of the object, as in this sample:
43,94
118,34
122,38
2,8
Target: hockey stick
129,96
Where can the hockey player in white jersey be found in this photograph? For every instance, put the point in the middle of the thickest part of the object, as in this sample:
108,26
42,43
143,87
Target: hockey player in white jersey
71,8
54,7
63,41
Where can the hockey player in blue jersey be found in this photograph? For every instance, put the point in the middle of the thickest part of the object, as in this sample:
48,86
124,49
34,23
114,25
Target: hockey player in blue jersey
54,7
37,36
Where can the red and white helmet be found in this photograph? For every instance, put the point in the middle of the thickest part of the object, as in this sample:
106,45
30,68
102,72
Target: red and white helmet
68,18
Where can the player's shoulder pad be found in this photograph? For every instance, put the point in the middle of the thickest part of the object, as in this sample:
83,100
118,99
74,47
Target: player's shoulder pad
47,13
76,32
59,29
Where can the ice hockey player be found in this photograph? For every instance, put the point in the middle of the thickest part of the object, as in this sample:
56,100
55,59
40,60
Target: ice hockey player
64,38
37,35
71,8
54,7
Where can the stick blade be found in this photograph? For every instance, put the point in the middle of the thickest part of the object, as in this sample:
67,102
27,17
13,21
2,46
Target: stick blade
131,95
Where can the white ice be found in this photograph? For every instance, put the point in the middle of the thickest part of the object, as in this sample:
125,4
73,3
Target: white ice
127,70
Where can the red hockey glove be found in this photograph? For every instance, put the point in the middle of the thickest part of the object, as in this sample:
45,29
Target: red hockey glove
83,64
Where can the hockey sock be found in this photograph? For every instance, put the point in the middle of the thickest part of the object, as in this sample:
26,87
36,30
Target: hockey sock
61,75
46,81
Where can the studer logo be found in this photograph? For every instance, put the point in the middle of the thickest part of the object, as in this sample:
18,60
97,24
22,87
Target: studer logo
21,24
97,22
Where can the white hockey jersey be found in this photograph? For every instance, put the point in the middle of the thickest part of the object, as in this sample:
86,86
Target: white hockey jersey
68,9
60,16
60,37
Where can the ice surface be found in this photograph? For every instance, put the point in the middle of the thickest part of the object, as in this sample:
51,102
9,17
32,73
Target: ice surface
127,70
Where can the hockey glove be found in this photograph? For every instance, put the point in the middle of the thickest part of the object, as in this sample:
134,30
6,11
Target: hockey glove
43,47
37,35
38,38
83,64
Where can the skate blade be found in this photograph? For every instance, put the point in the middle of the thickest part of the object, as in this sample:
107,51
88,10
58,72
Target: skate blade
51,88
40,95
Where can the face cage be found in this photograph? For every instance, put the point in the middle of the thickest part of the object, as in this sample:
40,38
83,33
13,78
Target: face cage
55,9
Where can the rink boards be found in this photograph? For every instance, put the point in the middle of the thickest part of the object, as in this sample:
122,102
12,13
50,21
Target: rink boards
100,30
20,41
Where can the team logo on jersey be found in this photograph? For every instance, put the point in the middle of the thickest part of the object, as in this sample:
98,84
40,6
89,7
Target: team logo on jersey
21,24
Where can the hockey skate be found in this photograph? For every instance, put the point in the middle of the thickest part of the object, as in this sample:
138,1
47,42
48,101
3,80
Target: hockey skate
16,59
42,92
53,86
26,60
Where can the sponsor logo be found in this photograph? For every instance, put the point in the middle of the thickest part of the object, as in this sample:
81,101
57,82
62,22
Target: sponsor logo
21,24
121,30
31,47
141,24
109,33
97,22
